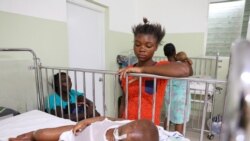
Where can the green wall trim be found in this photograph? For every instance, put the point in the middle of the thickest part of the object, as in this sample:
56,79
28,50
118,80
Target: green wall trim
47,38
118,43
122,43
191,43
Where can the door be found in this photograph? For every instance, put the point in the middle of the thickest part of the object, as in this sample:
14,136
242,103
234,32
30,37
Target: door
86,30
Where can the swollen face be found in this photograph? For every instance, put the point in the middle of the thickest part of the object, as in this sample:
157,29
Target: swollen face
144,47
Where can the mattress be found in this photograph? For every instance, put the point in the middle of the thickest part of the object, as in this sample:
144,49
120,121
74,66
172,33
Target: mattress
199,87
34,120
29,121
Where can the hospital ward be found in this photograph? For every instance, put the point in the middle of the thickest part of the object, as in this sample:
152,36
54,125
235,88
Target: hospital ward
132,70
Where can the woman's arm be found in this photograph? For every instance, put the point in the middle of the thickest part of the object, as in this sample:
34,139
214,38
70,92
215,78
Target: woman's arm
171,69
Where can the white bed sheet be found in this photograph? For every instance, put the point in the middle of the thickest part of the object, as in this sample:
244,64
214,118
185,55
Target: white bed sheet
198,87
29,121
34,120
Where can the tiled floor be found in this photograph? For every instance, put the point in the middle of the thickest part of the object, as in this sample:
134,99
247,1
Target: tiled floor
195,136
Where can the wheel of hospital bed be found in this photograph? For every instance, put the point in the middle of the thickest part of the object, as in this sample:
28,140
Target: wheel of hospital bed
210,136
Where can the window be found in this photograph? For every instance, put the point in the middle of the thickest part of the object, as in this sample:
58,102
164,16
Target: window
224,26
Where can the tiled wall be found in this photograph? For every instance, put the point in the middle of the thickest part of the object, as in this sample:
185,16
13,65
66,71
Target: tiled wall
224,26
245,19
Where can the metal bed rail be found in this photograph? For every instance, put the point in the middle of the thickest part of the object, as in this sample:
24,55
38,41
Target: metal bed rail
236,120
140,77
42,74
202,66
36,67
92,83
188,79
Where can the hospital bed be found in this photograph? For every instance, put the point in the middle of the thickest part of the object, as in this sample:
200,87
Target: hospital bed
29,121
204,68
100,86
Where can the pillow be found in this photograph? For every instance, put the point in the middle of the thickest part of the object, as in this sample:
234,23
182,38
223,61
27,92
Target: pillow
7,112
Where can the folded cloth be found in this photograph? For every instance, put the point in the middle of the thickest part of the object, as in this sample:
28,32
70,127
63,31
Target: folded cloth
170,136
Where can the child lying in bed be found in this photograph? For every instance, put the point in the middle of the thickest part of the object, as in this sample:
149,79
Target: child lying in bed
102,129
63,95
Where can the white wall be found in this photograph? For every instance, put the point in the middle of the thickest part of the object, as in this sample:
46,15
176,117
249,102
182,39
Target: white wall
122,14
47,9
36,24
248,30
178,16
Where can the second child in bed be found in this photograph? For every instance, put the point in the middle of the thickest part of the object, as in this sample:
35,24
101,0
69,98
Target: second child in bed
63,95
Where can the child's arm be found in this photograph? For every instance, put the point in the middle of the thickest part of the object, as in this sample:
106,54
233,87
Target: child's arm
80,126
89,106
47,134
50,134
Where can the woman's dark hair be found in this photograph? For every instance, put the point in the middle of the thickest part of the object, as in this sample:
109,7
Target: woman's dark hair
56,81
154,29
169,50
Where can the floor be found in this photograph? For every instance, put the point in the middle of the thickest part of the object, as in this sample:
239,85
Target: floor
194,135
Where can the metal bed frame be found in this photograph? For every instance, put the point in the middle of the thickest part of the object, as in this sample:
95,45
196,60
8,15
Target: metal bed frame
42,86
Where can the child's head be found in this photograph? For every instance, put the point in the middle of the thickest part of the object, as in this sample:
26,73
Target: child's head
147,37
181,56
65,84
139,130
169,50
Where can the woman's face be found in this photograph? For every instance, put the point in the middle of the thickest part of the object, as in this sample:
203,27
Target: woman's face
144,47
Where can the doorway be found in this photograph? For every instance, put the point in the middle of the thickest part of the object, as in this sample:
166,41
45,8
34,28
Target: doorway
86,34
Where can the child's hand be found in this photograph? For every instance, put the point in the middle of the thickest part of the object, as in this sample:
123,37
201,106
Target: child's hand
81,102
79,127
189,61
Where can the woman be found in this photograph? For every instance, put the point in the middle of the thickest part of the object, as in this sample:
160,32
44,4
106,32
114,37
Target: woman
147,37
179,106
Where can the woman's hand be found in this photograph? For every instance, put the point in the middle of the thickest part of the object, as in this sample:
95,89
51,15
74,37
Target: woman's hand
124,71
